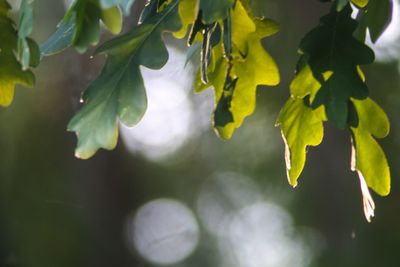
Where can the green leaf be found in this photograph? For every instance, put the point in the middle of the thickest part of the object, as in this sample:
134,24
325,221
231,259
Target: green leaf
215,10
251,66
369,160
301,126
118,94
11,72
331,47
61,39
81,26
26,45
376,18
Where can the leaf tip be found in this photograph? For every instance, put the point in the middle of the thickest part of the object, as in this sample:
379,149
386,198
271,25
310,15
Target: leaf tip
368,202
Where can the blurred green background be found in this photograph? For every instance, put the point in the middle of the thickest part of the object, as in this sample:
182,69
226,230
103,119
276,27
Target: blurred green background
174,194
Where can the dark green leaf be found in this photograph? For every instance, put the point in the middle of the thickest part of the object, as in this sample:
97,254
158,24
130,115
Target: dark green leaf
332,47
81,26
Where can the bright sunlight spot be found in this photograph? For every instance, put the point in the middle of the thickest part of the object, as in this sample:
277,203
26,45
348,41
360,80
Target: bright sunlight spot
164,231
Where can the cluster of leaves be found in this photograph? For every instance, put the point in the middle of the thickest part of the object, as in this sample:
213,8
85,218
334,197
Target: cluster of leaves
329,85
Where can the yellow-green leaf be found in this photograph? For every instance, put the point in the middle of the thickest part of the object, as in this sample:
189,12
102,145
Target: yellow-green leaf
112,19
258,68
369,160
300,127
360,3
251,66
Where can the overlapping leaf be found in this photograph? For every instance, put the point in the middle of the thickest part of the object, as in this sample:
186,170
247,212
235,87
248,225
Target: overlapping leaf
332,47
11,72
119,93
80,26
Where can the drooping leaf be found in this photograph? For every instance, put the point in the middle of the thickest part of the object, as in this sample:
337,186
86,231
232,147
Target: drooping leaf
251,66
258,68
81,26
376,18
369,158
301,126
332,47
118,94
11,72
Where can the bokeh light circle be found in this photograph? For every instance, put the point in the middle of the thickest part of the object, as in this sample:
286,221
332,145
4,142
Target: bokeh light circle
164,231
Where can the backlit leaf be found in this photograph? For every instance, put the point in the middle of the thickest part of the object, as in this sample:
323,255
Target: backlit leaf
300,126
251,66
369,158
